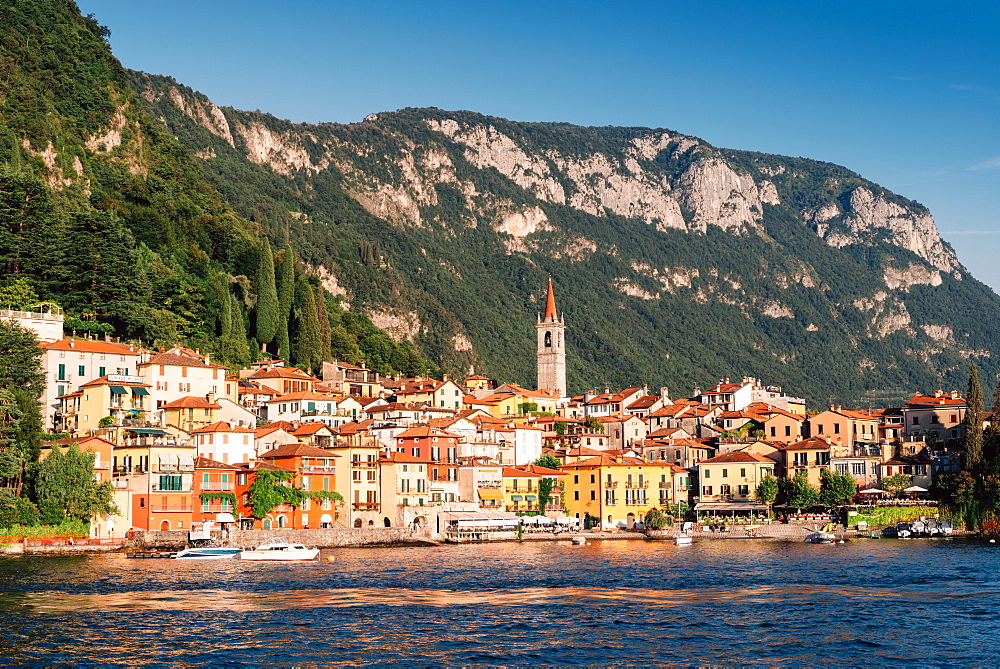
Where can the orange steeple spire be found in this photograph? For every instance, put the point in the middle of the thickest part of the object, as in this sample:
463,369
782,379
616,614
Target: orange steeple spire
550,303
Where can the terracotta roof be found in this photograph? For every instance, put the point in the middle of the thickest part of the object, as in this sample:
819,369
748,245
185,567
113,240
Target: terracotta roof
280,424
306,429
605,460
202,462
103,381
80,441
810,444
283,373
88,346
644,402
306,395
268,429
405,458
297,450
737,457
221,426
191,403
533,471
945,399
253,388
181,357
425,431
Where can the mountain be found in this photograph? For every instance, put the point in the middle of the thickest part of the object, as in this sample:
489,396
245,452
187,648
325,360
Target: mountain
674,261
104,213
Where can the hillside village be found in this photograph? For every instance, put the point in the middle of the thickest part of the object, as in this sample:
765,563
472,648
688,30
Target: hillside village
182,440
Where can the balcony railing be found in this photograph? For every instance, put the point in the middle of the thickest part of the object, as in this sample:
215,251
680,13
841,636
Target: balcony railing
639,501
520,489
317,469
169,508
363,464
664,485
636,486
611,484
217,485
366,506
216,508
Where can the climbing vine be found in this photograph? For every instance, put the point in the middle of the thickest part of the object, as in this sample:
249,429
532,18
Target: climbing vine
224,496
272,488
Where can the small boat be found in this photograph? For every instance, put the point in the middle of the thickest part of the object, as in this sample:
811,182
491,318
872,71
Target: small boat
207,553
903,530
821,537
933,528
918,527
945,527
683,540
277,549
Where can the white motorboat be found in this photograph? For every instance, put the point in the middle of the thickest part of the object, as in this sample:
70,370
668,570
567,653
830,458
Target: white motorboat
579,541
821,537
277,549
207,553
683,540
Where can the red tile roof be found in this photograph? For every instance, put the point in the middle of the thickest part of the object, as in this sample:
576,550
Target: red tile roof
88,346
298,450
191,403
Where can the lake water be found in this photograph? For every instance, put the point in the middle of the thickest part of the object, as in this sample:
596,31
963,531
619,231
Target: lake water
928,602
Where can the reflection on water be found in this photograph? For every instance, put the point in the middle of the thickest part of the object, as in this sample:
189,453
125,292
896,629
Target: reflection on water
722,602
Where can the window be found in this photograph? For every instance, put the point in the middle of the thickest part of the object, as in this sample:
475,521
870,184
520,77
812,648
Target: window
708,473
706,490
858,468
801,459
836,428
819,429
725,490
788,430
576,478
744,490
593,494
100,371
841,467
725,473
593,478
954,418
916,420
774,431
81,370
576,495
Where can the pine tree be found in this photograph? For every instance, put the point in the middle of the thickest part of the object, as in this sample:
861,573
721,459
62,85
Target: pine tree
973,451
267,316
307,344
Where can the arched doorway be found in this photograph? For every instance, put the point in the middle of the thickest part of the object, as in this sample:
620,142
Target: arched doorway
165,525
630,521
282,521
326,520
387,522
266,524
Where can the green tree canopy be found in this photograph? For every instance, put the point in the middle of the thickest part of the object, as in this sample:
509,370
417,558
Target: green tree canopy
767,490
65,481
836,488
972,455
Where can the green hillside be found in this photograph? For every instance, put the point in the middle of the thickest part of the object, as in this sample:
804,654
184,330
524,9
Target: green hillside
106,214
836,304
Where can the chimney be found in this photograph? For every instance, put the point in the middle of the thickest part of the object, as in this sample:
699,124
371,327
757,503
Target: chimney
208,360
607,389
937,393
838,408
664,392
72,344
210,397
444,377
831,407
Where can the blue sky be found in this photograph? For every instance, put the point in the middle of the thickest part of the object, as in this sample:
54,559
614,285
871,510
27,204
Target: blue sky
905,93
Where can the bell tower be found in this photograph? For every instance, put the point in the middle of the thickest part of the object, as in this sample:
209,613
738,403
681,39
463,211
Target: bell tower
551,348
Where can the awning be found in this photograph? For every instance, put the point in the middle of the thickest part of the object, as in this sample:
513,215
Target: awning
224,518
729,506
186,462
118,390
516,498
915,488
530,498
872,491
491,494
147,430
168,461
138,390
326,518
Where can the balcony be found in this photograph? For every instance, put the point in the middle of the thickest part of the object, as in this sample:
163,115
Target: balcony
216,508
317,469
525,490
169,508
611,502
611,485
217,485
636,486
664,485
641,501
366,506
363,464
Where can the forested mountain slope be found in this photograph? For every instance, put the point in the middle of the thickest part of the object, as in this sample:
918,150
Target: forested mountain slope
104,213
674,261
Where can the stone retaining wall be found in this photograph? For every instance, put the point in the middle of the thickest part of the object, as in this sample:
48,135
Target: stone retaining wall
319,538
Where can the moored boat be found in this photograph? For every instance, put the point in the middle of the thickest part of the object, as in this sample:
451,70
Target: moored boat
820,537
277,549
207,553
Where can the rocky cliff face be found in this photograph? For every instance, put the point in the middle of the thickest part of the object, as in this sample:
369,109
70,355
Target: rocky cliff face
650,229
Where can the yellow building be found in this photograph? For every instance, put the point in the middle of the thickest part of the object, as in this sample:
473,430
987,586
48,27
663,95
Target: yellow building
520,488
733,476
614,489
115,400
810,455
190,413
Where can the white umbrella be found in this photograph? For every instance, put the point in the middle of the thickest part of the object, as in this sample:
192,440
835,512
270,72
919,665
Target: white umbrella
915,488
872,491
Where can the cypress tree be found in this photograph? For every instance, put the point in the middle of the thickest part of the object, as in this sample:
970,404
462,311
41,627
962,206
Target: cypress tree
284,346
307,344
225,315
267,315
995,416
324,325
973,452
286,283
